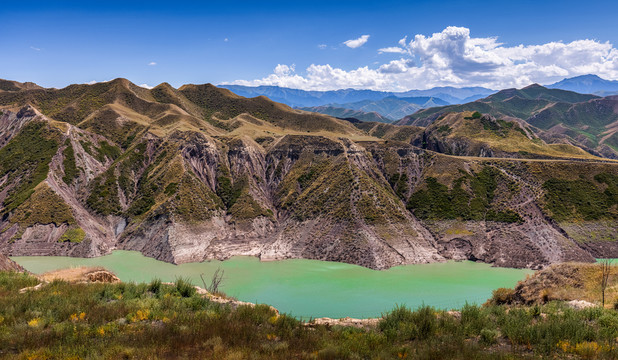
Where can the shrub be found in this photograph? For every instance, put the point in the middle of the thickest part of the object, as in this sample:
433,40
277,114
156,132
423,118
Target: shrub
402,323
502,296
155,286
472,319
489,337
184,287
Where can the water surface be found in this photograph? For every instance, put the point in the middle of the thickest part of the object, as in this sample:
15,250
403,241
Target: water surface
311,288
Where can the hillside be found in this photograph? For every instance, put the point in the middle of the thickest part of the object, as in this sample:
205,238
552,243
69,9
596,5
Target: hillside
199,173
347,113
9,85
556,116
474,134
390,108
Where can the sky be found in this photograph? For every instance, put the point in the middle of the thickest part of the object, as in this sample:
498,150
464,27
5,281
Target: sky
312,45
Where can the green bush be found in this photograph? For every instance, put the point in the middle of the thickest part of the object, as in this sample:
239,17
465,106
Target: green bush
76,235
489,337
473,319
402,323
155,286
184,287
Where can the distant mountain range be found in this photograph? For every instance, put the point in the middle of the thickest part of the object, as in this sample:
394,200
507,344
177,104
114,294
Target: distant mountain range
348,114
396,105
388,109
588,84
303,98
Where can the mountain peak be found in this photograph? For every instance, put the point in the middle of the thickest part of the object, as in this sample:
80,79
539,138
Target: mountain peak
587,84
584,77
532,86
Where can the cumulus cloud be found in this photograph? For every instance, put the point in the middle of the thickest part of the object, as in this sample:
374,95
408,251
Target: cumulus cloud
146,86
453,57
152,63
354,43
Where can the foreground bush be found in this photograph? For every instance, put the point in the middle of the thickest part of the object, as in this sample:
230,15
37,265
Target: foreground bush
156,320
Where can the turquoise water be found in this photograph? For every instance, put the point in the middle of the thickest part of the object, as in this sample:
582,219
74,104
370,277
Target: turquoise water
311,288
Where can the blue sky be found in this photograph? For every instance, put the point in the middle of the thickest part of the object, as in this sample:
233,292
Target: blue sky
476,43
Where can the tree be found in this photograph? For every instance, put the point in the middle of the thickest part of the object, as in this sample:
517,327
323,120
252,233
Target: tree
606,268
215,281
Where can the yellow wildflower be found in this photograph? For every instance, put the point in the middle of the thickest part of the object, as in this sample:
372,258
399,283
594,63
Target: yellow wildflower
34,322
141,315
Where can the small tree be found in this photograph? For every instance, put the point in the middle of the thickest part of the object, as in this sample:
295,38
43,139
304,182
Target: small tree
215,281
606,268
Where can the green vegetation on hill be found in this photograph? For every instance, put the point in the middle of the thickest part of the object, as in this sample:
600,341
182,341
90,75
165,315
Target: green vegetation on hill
75,235
470,198
194,201
70,169
582,199
43,207
104,195
25,161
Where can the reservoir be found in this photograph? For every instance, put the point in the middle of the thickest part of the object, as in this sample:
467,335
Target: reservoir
312,288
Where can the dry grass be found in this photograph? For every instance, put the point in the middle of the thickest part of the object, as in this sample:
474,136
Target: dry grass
569,281
74,274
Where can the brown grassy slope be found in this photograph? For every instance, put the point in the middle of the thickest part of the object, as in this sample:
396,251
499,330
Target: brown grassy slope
568,281
226,105
9,85
164,109
405,133
502,137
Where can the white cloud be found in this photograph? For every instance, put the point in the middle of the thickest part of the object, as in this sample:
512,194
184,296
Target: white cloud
152,63
35,48
354,43
393,49
453,57
146,86
226,39
322,46
92,82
